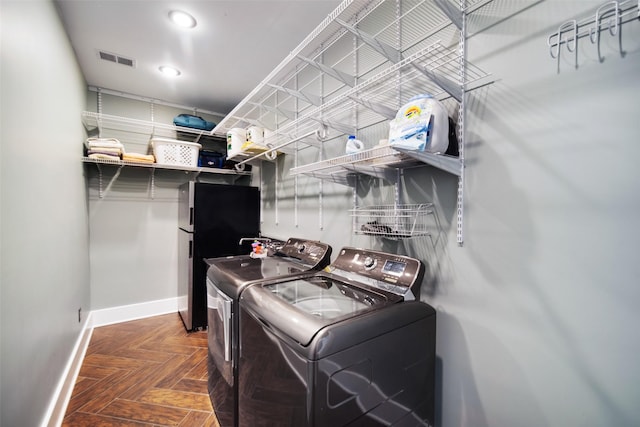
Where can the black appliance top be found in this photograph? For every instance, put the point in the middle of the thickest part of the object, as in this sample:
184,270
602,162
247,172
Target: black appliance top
232,274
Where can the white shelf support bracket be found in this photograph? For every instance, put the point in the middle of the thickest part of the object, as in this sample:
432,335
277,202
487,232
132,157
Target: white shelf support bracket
389,52
101,192
276,194
452,12
388,174
255,122
383,110
99,100
283,112
446,163
398,188
307,97
461,126
153,183
340,127
295,189
452,88
341,76
320,195
354,202
99,121
197,140
261,198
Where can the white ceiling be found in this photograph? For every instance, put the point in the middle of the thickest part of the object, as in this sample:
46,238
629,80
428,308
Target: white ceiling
233,48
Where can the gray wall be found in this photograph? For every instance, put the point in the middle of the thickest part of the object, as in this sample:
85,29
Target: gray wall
44,232
537,324
134,225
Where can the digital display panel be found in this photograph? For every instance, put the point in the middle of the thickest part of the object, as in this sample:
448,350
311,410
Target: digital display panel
395,268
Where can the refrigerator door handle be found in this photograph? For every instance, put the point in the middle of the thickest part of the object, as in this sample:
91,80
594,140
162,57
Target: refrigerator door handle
191,216
190,249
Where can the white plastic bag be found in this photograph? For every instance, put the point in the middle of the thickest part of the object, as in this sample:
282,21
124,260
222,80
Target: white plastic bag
421,124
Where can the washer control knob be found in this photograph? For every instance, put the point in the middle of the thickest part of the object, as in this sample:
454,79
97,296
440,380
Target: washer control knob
301,248
369,263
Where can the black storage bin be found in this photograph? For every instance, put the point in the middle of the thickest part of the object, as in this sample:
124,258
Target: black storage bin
211,159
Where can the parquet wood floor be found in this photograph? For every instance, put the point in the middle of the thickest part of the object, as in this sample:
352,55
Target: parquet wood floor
147,372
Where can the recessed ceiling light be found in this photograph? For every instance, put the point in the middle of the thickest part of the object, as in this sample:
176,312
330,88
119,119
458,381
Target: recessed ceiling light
169,71
182,19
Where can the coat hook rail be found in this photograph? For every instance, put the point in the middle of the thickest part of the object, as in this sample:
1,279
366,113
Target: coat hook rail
607,18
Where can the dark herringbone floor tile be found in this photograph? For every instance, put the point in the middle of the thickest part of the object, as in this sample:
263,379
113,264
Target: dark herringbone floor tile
147,372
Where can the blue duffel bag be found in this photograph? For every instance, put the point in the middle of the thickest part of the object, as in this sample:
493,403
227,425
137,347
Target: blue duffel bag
194,122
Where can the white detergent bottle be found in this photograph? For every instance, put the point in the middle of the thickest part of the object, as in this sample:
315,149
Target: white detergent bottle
353,145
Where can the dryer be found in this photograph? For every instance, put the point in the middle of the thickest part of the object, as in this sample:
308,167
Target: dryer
348,346
227,277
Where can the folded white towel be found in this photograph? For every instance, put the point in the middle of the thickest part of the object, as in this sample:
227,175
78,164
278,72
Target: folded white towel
103,156
117,151
104,143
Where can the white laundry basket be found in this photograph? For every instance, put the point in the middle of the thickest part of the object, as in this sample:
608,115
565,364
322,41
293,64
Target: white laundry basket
173,152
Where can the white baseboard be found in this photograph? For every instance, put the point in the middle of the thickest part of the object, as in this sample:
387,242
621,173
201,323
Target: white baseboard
60,400
107,316
125,313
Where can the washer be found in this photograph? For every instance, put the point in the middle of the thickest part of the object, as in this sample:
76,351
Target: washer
226,279
346,346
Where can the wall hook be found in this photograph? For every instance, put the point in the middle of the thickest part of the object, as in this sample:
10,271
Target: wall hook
608,18
571,27
271,155
321,133
602,14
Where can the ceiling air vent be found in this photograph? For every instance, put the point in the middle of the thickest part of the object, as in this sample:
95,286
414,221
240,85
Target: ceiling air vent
112,57
125,61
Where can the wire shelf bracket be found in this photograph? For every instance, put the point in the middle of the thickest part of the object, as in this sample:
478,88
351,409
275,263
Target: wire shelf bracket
284,112
389,52
386,112
345,78
307,97
452,12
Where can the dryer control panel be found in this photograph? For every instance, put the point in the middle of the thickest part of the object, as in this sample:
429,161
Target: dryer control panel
398,274
308,251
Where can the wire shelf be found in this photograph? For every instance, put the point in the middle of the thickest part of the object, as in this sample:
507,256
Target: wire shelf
380,162
353,72
366,99
218,171
145,128
392,221
422,22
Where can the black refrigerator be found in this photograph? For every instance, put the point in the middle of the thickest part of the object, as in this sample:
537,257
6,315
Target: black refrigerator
212,220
